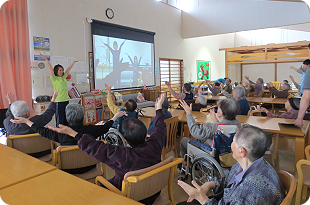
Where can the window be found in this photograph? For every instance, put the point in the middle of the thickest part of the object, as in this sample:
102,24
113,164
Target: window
171,70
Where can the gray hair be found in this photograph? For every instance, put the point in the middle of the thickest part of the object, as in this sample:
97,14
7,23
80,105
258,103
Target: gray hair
240,92
20,109
287,86
202,100
75,114
229,107
261,80
254,140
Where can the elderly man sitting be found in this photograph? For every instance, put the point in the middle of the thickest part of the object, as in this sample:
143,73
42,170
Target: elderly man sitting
21,109
251,181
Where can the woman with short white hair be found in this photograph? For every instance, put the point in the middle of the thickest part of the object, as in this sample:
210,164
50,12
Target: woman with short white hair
252,180
239,94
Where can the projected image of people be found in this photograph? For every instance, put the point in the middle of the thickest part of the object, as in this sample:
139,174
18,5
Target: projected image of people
116,53
128,65
136,74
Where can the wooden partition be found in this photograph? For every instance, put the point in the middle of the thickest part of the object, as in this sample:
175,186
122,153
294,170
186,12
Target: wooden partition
271,53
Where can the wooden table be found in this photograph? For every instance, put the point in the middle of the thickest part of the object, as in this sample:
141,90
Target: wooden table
150,112
61,188
272,125
257,100
16,167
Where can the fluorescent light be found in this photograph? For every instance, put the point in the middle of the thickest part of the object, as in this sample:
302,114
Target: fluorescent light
2,2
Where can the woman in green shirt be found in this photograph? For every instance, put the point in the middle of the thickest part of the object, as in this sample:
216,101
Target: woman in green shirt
58,78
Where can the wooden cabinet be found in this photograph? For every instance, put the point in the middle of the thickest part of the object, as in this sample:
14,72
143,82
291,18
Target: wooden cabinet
151,95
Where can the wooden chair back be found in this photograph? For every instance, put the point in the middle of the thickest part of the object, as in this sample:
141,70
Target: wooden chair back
307,151
31,143
276,84
303,170
251,94
260,94
172,129
71,157
143,183
289,183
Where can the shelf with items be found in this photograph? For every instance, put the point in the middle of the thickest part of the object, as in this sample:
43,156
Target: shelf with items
96,108
92,108
151,94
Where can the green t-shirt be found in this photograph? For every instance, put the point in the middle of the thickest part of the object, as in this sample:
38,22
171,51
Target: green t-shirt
60,83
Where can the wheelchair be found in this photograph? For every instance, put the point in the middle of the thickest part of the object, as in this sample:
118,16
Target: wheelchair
114,137
204,159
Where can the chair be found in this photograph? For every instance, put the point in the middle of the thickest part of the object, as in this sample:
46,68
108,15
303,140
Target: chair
105,107
143,183
260,94
303,170
250,94
289,183
71,157
31,143
172,128
276,84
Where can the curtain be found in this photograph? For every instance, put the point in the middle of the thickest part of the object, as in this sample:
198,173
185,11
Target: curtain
15,67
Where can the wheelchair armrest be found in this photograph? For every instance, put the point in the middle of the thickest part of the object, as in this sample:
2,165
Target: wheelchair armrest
107,184
199,144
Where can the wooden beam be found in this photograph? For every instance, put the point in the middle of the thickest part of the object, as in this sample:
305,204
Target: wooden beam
269,61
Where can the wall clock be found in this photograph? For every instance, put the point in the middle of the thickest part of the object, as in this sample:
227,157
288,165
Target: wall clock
110,13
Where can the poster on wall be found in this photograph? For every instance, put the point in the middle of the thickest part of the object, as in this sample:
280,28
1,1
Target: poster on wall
203,70
41,45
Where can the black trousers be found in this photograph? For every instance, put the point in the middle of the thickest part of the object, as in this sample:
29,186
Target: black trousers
60,113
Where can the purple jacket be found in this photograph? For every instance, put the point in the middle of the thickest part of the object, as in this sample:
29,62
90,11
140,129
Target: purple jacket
124,159
292,114
258,87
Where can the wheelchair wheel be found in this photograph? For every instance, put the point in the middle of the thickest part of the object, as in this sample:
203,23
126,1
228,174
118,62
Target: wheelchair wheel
113,136
204,168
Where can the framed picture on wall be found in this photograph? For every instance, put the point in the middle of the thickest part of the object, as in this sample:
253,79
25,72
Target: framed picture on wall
203,70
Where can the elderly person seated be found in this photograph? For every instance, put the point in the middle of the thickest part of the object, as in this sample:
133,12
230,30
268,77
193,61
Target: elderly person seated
258,85
292,110
282,92
238,94
140,154
226,114
130,107
21,109
75,118
250,181
228,87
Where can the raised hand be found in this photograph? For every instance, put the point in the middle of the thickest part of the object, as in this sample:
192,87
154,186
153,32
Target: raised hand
168,83
20,120
118,115
54,95
10,97
160,100
262,109
247,77
195,192
108,88
199,91
43,56
184,105
64,129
